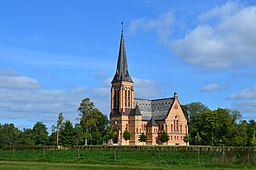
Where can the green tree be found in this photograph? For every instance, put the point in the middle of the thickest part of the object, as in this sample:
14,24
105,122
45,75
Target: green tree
67,135
26,137
194,113
187,139
59,127
92,121
109,134
251,130
126,135
9,135
143,138
40,134
79,134
164,137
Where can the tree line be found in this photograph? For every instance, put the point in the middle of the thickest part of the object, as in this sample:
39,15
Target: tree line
206,127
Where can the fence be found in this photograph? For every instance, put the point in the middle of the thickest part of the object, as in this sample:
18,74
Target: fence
135,155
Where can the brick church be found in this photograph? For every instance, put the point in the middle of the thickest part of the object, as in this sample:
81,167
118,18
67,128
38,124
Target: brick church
151,117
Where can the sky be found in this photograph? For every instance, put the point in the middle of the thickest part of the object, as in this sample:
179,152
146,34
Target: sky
54,53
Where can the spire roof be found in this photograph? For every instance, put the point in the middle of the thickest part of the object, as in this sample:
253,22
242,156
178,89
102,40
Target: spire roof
122,73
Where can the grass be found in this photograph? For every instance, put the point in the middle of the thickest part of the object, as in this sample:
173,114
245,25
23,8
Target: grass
123,159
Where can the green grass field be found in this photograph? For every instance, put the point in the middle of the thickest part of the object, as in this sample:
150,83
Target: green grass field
41,158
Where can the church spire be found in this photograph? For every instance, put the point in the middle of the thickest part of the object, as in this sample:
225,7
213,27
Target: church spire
122,73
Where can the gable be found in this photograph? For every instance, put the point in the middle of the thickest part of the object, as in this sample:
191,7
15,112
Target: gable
176,111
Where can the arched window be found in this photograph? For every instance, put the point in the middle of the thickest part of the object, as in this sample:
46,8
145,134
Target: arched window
177,125
129,98
116,99
125,98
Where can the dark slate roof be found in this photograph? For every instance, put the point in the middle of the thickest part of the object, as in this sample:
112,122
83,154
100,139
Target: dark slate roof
156,109
122,73
151,122
135,111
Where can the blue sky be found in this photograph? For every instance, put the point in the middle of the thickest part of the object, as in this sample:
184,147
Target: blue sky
54,53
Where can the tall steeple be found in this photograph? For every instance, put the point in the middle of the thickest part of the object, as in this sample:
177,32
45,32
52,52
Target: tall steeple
122,73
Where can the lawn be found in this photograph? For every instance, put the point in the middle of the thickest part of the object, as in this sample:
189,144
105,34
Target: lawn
122,158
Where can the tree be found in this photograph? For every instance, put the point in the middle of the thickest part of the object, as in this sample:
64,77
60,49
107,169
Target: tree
143,138
79,134
9,135
195,112
59,127
109,134
126,135
92,121
67,135
164,137
40,134
187,138
26,137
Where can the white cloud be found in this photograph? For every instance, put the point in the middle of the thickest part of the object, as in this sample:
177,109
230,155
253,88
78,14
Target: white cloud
230,8
248,93
9,79
245,100
246,107
23,99
147,89
162,24
228,42
224,36
213,87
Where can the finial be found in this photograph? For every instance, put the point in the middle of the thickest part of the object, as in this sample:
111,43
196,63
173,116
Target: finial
122,26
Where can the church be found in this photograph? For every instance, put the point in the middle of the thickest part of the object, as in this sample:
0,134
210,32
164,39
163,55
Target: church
151,117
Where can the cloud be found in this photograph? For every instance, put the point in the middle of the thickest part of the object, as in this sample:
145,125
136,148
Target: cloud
223,37
227,41
245,100
22,99
213,87
248,93
100,74
224,11
11,80
144,88
246,107
162,24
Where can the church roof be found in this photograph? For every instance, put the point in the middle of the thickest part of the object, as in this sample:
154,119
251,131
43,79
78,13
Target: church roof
151,122
157,109
122,73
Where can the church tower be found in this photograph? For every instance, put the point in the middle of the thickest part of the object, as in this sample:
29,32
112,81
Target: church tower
122,94
122,84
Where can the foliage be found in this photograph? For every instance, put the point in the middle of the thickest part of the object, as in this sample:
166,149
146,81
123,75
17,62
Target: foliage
143,138
109,134
92,121
9,135
40,134
187,138
59,127
126,135
26,137
164,137
67,135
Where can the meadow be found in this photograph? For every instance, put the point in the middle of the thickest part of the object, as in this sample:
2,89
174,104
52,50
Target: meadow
132,157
